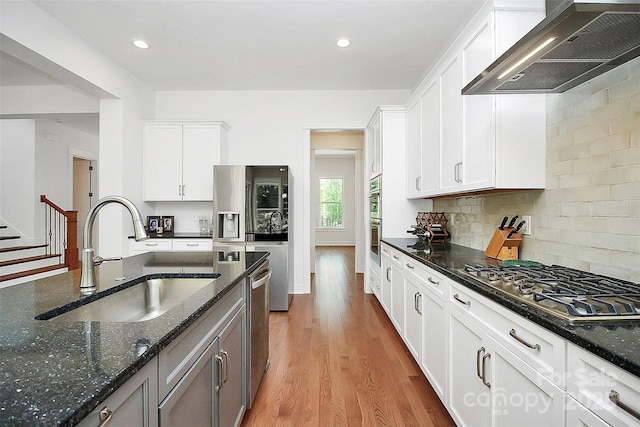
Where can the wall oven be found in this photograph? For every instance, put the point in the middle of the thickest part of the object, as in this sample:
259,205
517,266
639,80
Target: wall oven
375,219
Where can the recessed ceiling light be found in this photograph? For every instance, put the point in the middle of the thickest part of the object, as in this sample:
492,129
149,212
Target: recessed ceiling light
141,44
343,43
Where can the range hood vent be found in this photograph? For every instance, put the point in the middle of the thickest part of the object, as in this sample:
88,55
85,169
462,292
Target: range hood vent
577,41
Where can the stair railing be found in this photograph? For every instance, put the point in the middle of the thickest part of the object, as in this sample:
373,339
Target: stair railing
61,232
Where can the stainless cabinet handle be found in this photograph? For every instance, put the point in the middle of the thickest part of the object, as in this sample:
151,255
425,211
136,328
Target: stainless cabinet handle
461,301
456,172
484,369
219,363
512,332
388,272
419,309
105,415
396,257
480,350
193,244
409,266
151,244
180,190
225,359
419,183
435,282
184,193
614,396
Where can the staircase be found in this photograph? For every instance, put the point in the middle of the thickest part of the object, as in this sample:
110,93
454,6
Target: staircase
28,261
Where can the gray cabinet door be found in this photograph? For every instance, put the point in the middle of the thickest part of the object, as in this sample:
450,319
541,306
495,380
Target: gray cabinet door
191,402
232,392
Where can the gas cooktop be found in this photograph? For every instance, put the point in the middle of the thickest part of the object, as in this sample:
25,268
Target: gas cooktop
574,295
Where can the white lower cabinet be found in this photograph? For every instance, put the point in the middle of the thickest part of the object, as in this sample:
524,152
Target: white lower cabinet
434,342
579,416
393,286
375,283
491,386
397,297
134,404
605,391
204,244
412,333
469,399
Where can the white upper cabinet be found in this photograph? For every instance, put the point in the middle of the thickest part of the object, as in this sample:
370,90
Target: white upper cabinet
178,159
423,143
375,160
476,142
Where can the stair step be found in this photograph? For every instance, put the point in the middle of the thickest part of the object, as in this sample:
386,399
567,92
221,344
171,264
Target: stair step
21,248
31,272
28,259
9,237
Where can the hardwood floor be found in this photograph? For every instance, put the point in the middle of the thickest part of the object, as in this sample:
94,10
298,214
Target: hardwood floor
336,360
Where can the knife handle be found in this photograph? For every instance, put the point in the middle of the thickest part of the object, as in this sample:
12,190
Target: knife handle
502,224
513,221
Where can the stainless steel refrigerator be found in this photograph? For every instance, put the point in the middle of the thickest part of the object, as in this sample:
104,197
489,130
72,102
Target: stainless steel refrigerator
252,208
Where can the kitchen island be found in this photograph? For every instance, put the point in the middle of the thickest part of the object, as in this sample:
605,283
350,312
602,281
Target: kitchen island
55,372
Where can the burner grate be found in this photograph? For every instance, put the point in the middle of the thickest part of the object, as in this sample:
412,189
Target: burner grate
563,291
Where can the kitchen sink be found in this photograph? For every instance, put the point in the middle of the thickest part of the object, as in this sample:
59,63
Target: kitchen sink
143,301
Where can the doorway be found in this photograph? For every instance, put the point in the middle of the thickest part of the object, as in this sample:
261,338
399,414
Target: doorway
336,159
83,182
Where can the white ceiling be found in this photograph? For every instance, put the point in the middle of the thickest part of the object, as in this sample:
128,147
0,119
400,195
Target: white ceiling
265,44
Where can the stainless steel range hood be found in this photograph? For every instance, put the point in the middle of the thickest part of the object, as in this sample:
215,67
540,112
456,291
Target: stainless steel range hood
578,40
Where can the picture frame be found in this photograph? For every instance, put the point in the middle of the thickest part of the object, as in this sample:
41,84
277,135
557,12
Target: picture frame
153,222
168,223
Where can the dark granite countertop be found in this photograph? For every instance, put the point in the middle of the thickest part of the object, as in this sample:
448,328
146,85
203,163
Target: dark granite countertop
49,377
619,343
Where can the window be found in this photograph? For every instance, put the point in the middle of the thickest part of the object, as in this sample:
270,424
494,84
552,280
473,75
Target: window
331,203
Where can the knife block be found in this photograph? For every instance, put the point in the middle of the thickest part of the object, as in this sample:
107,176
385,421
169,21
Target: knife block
502,248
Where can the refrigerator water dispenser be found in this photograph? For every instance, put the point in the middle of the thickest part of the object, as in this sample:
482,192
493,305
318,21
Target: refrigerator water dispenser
229,225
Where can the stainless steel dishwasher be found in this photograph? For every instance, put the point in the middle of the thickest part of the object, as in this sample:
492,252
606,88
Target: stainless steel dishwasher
258,331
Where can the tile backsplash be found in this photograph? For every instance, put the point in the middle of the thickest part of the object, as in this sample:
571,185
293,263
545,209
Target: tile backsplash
588,217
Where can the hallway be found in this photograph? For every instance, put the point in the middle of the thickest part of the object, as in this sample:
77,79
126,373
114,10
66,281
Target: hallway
336,360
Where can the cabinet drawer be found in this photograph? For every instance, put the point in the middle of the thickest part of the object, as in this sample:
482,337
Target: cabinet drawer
152,245
432,280
176,359
541,349
375,283
396,257
135,403
592,381
193,245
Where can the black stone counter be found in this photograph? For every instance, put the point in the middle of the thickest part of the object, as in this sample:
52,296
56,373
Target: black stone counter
619,343
56,372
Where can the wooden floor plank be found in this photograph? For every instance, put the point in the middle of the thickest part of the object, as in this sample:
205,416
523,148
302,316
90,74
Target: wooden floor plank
336,360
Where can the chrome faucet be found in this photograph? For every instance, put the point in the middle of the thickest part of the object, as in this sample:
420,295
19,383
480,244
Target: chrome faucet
271,226
88,272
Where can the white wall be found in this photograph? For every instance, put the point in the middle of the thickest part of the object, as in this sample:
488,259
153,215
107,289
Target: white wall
272,127
17,175
31,35
337,167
